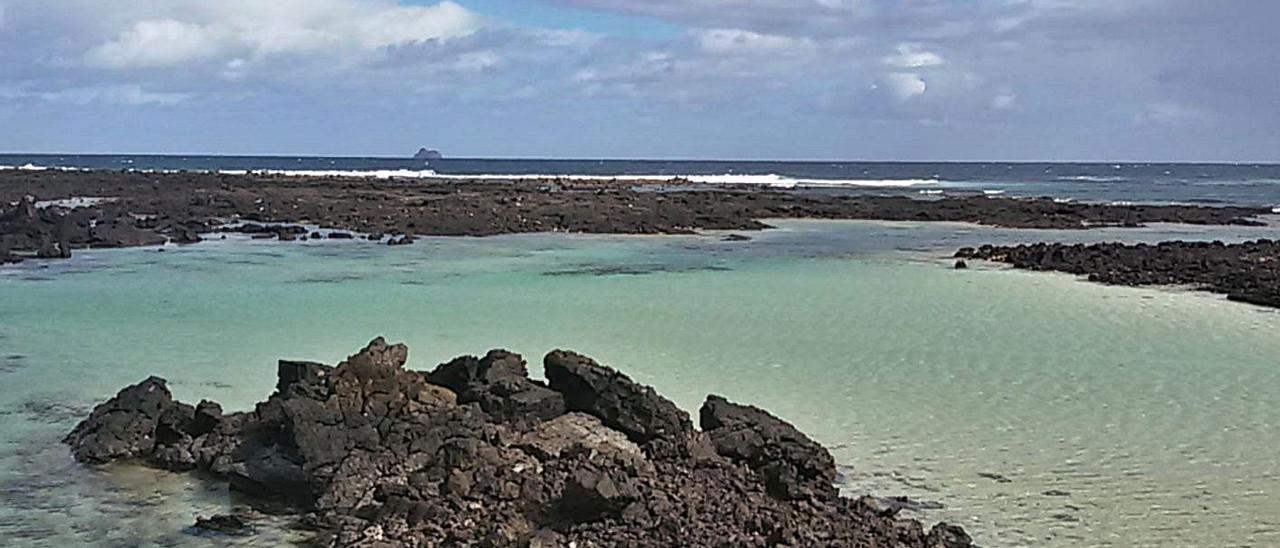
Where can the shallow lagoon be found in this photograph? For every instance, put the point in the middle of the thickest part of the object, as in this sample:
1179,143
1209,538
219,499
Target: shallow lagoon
1037,409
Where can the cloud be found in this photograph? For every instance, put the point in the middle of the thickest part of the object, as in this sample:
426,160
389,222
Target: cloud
905,85
131,95
1054,76
156,44
735,41
236,31
1169,113
1004,100
911,56
765,16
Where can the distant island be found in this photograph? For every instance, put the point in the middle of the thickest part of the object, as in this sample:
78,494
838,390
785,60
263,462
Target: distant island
428,155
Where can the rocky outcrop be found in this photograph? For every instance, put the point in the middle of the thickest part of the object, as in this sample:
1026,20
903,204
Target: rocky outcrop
500,383
126,426
791,465
637,411
148,208
373,454
1247,272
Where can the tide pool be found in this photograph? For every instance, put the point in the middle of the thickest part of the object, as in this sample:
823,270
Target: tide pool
1035,409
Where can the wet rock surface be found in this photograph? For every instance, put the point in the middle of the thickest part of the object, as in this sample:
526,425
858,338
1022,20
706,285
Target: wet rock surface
151,208
1246,272
223,524
371,454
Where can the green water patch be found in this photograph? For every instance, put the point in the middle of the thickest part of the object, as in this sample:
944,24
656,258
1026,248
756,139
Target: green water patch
1032,408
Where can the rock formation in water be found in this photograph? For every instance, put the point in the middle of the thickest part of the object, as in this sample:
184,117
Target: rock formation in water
427,154
150,208
476,453
1247,272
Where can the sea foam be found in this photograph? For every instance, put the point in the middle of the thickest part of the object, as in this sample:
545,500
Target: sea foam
33,167
770,179
371,174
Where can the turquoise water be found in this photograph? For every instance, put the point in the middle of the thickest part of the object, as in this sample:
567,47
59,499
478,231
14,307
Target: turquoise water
1037,409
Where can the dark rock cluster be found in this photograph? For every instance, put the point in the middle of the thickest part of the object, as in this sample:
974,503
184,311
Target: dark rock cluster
148,208
475,453
27,230
1247,272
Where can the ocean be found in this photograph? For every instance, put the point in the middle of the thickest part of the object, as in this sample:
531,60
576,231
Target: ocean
1034,409
1207,184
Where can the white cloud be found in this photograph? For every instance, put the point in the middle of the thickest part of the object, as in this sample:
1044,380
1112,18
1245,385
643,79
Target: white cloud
905,85
231,30
156,44
406,25
913,56
1004,100
735,41
1169,113
125,94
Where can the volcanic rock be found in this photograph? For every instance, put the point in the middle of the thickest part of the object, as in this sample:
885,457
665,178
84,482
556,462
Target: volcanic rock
1246,272
373,454
792,465
647,418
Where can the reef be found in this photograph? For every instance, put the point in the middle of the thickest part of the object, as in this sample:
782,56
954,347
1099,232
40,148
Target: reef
1246,272
48,214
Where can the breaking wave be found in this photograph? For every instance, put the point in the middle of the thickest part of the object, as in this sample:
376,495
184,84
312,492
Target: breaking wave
370,174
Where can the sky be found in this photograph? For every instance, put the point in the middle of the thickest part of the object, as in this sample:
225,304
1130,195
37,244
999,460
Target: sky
1016,80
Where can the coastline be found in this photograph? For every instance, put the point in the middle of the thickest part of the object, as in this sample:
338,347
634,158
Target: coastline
47,214
1247,272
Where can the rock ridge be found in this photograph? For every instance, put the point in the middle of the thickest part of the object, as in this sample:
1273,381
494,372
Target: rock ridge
475,453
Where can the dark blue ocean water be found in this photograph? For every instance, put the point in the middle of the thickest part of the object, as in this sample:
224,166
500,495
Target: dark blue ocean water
1247,184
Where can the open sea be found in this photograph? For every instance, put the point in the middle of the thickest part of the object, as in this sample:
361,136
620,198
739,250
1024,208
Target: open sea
1034,409
1208,184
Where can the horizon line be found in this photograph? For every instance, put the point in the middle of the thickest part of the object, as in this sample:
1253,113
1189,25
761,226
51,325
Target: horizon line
646,159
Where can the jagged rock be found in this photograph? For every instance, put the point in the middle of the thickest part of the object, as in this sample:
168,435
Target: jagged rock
499,382
186,236
406,239
582,433
638,411
122,233
590,495
124,427
207,418
1246,272
376,455
792,465
944,535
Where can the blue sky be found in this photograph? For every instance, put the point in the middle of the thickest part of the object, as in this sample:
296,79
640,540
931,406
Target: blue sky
1110,80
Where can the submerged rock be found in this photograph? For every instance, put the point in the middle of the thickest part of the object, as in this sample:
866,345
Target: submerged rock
475,453
223,524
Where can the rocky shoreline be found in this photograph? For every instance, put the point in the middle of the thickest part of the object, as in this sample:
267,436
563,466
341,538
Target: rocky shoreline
48,214
1246,272
476,453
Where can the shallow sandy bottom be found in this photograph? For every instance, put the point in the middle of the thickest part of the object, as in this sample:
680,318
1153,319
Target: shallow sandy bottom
1037,409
